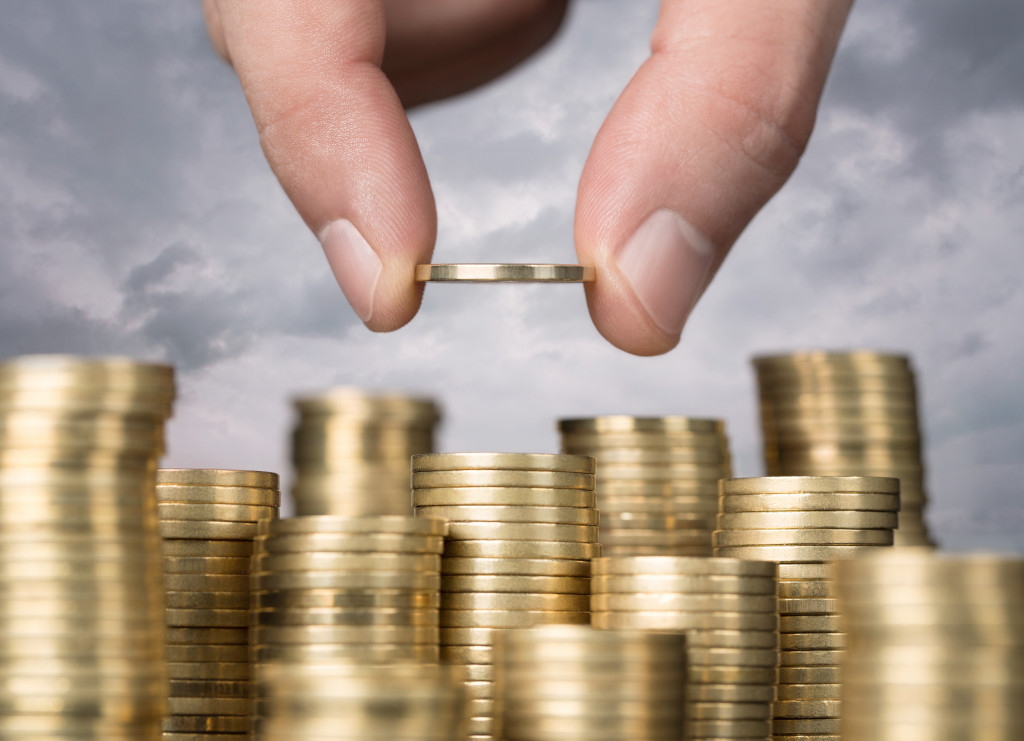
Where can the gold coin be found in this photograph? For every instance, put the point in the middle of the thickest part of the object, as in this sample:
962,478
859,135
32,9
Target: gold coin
206,565
332,653
520,549
811,623
467,636
734,675
800,536
813,570
187,548
685,583
680,621
209,706
524,514
313,634
205,652
514,601
208,600
805,588
347,599
500,583
809,675
807,708
355,579
813,691
623,423
503,497
406,525
184,511
731,692
520,618
594,443
793,552
668,473
811,519
529,479
503,461
772,485
217,477
350,543
702,656
734,638
213,618
703,490
222,636
659,601
812,641
483,654
631,566
237,495
523,531
209,724
479,673
698,710
223,671
808,606
823,657
315,616
206,582
211,688
365,562
667,539
200,530
737,728
805,726
504,273
546,567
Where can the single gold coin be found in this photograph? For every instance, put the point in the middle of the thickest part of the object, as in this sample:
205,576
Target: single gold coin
807,708
214,512
208,600
514,601
206,583
510,618
858,520
187,548
347,599
739,728
733,638
618,423
355,579
503,461
467,636
699,710
217,477
515,584
372,616
467,654
812,641
529,479
503,273
667,539
490,496
237,495
703,656
813,726
406,525
772,485
685,584
731,692
205,652
395,543
479,673
208,706
651,456
207,618
733,675
200,530
320,634
223,671
335,653
800,553
808,570
823,657
522,531
312,563
208,724
683,621
805,588
630,566
813,691
221,636
657,601
543,567
809,675
524,514
808,606
521,549
209,688
801,536
827,623
206,565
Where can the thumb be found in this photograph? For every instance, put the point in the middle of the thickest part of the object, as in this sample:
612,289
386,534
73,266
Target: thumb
709,128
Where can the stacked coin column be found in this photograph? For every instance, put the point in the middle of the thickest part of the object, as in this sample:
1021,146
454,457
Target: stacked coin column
522,531
846,414
936,646
574,683
657,480
208,519
324,702
728,609
81,603
339,590
800,522
351,451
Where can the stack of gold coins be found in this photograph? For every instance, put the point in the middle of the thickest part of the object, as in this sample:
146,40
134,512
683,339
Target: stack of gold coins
568,682
208,519
522,531
81,603
351,451
728,609
322,702
846,414
333,589
936,646
800,522
657,480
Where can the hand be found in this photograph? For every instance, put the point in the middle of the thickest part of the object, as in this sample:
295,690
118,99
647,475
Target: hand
709,128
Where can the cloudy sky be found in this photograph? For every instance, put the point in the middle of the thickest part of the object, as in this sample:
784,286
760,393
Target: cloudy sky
137,216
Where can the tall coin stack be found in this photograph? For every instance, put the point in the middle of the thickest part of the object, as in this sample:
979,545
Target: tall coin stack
81,602
337,590
936,646
351,451
800,522
846,414
324,702
208,519
522,531
729,611
657,480
573,683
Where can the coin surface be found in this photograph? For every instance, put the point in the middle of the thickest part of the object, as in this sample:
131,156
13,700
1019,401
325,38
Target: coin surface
504,496
504,273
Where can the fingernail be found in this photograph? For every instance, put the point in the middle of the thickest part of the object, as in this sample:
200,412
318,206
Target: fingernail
666,261
355,265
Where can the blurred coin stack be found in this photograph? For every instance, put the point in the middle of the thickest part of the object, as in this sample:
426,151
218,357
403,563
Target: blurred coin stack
800,522
936,646
335,590
209,519
522,529
323,702
728,609
846,414
81,600
574,683
657,480
351,451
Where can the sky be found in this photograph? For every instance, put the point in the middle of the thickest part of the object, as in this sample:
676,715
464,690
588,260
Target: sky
138,217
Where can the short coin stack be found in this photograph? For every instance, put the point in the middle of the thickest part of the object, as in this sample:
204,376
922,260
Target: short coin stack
81,603
351,451
727,607
208,519
657,480
800,522
574,683
343,702
522,531
936,646
846,414
331,589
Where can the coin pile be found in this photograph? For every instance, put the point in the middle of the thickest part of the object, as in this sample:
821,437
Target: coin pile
728,609
522,529
333,589
81,603
567,682
846,414
936,646
657,480
351,451
208,519
800,522
323,702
